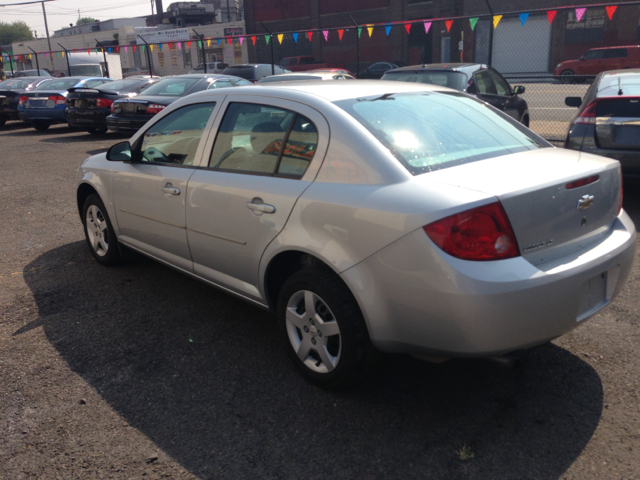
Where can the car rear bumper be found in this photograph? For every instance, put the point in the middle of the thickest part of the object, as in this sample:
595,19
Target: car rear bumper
49,115
8,113
416,299
87,118
126,124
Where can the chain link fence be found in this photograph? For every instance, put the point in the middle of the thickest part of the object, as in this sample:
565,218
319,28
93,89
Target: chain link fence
550,52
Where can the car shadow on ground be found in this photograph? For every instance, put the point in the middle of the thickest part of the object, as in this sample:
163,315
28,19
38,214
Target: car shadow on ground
203,376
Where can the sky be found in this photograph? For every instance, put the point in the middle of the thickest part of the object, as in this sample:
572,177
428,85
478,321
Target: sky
60,13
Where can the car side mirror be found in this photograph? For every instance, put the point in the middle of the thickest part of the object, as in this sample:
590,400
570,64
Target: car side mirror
120,152
518,90
573,101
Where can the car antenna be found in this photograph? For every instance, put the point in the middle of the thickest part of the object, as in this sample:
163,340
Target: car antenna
620,86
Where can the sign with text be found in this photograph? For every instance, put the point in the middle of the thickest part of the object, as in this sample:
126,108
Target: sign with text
166,36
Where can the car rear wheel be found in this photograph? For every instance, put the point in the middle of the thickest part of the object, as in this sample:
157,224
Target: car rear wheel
99,232
567,76
323,329
41,126
97,131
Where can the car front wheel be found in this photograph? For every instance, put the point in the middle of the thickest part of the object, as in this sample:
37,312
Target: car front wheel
99,232
323,329
97,130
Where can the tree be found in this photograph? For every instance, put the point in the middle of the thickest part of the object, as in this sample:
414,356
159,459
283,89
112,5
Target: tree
14,32
83,20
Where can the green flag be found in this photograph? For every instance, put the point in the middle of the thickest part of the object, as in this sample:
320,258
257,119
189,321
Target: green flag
267,38
359,31
473,22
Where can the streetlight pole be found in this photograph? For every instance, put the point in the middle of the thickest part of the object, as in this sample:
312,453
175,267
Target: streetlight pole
204,58
10,62
35,53
104,54
148,56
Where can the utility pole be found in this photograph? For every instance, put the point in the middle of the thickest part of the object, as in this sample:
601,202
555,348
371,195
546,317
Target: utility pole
46,27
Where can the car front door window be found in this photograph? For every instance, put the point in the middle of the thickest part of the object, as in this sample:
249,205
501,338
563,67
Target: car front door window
484,84
502,87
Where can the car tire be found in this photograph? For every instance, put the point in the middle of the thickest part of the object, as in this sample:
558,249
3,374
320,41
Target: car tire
525,121
40,126
98,131
99,233
2,122
567,76
329,347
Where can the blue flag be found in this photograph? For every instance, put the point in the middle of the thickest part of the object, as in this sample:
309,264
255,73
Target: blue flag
523,18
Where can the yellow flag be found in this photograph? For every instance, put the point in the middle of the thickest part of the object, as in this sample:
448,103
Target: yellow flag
370,30
151,47
208,43
280,37
63,52
496,20
29,56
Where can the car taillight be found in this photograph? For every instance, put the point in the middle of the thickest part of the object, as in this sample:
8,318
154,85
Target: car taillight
103,103
480,234
113,108
22,99
588,115
621,193
58,99
155,108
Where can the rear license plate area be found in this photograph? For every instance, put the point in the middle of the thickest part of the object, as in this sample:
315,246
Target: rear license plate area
593,296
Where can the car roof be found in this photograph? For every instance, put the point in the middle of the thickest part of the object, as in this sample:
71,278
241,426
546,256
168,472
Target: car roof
197,75
285,77
618,46
452,67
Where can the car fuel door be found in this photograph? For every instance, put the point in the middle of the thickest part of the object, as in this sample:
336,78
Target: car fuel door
263,157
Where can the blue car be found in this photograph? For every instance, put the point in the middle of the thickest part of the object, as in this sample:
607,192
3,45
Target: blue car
10,91
45,105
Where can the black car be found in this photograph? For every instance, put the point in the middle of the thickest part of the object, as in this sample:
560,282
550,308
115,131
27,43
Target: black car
129,114
10,91
254,71
475,79
88,108
608,119
377,70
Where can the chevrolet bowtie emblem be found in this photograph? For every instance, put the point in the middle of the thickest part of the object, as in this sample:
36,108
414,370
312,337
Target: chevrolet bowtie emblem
585,202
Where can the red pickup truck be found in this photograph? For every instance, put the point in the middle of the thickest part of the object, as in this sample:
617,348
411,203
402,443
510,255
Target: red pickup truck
306,62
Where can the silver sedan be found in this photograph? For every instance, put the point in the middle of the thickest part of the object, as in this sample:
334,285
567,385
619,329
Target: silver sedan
368,215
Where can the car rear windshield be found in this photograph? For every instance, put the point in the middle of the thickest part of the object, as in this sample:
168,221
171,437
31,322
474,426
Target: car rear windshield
15,84
172,87
248,73
58,84
123,86
428,131
627,84
455,80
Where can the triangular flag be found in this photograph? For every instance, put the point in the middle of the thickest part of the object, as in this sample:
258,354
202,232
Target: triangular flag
125,49
188,45
611,10
199,44
253,39
57,54
326,35
117,49
209,43
387,28
219,41
241,40
523,18
230,40
407,27
551,14
170,45
309,35
160,47
109,49
427,26
496,20
580,13
473,22
134,47
151,47
295,37
359,31
448,23
179,45
280,37
267,38
340,33
370,30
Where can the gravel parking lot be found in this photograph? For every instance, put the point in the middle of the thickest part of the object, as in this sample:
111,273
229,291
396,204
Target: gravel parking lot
140,372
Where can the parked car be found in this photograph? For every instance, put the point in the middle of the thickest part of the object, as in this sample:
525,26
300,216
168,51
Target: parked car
377,70
332,70
88,108
255,71
306,62
212,67
129,114
45,105
295,77
10,91
135,72
475,79
598,60
32,73
608,119
406,217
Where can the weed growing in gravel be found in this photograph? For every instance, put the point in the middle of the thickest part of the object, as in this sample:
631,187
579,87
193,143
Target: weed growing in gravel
465,453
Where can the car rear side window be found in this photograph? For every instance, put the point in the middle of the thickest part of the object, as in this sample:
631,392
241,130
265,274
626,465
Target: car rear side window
455,80
616,53
174,139
484,84
251,138
429,131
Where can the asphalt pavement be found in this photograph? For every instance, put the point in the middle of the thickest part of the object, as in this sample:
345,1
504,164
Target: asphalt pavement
138,371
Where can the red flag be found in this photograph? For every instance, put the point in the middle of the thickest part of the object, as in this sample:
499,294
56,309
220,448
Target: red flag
611,10
407,27
229,40
309,35
117,49
253,39
188,45
134,48
448,23
340,33
551,14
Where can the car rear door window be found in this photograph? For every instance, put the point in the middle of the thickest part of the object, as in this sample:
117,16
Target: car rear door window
174,139
616,53
251,138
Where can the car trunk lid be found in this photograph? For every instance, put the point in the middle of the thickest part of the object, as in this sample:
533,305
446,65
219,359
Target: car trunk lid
557,200
42,98
618,123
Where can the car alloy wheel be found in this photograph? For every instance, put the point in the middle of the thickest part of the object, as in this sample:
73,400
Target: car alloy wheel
313,331
99,232
567,76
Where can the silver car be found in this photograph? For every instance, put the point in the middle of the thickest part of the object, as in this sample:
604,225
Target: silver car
368,215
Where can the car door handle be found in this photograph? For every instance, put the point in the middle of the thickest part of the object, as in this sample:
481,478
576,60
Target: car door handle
256,206
170,189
